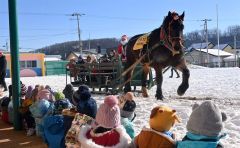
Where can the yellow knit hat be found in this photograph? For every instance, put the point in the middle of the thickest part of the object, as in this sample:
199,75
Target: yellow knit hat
162,118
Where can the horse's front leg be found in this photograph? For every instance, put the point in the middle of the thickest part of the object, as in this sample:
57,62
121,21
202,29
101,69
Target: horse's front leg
145,73
159,80
127,79
185,76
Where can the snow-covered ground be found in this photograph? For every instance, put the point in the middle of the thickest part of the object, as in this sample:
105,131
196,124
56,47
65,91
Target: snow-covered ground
221,85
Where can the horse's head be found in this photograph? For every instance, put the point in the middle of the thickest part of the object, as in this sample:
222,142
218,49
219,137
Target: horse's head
173,28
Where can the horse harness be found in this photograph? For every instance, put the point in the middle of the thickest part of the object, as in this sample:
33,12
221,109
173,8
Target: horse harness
166,39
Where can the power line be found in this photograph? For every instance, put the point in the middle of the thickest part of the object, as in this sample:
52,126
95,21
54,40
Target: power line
59,34
40,29
92,16
38,13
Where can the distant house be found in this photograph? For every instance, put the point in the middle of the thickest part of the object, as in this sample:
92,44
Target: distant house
231,60
31,64
210,45
199,56
75,55
225,47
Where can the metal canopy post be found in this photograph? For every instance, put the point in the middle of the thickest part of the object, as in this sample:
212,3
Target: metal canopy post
12,8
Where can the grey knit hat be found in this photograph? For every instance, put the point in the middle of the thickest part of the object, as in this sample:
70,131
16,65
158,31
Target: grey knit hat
127,111
206,119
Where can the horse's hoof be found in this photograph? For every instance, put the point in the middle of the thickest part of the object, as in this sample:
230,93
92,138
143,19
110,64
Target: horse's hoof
182,89
144,92
126,90
160,97
145,95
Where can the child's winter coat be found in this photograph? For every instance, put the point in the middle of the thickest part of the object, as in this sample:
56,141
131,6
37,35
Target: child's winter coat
204,127
162,118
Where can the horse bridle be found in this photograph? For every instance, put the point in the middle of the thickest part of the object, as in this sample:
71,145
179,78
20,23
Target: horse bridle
168,41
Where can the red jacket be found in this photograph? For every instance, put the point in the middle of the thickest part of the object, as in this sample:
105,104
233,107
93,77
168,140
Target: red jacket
104,138
121,52
116,138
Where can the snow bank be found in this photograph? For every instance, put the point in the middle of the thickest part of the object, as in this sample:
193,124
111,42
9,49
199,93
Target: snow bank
221,85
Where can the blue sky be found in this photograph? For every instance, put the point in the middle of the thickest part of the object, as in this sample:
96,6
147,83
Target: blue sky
46,22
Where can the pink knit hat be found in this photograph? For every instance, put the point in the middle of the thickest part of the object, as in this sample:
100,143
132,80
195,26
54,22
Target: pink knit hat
44,94
108,114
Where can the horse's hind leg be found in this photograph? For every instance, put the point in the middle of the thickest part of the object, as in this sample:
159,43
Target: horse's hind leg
159,80
185,76
145,73
127,79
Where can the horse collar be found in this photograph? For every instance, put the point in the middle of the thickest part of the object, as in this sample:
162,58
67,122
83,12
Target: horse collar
165,42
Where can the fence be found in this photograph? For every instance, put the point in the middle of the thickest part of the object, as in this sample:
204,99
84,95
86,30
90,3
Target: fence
55,67
222,64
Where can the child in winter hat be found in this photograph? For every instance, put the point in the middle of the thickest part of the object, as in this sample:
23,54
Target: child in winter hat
23,91
204,127
4,101
84,102
162,119
68,92
107,131
123,98
54,126
83,93
27,101
35,94
29,92
127,107
41,109
26,114
60,103
45,94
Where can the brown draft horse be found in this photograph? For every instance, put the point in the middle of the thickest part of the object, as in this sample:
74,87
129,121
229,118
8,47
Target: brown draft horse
164,48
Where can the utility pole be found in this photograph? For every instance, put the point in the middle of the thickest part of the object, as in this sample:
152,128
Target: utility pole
79,33
6,45
89,44
235,50
219,64
206,33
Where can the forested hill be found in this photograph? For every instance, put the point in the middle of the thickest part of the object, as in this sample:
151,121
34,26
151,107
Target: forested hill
65,48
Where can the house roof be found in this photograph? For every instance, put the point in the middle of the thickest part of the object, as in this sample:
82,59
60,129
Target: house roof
198,46
51,59
214,52
53,56
221,46
230,58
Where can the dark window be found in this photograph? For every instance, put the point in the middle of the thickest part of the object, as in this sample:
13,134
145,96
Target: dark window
22,64
31,64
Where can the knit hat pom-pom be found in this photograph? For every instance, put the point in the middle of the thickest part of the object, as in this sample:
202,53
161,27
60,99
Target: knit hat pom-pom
111,101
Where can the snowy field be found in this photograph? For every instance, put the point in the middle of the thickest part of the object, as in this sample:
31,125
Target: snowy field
221,85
